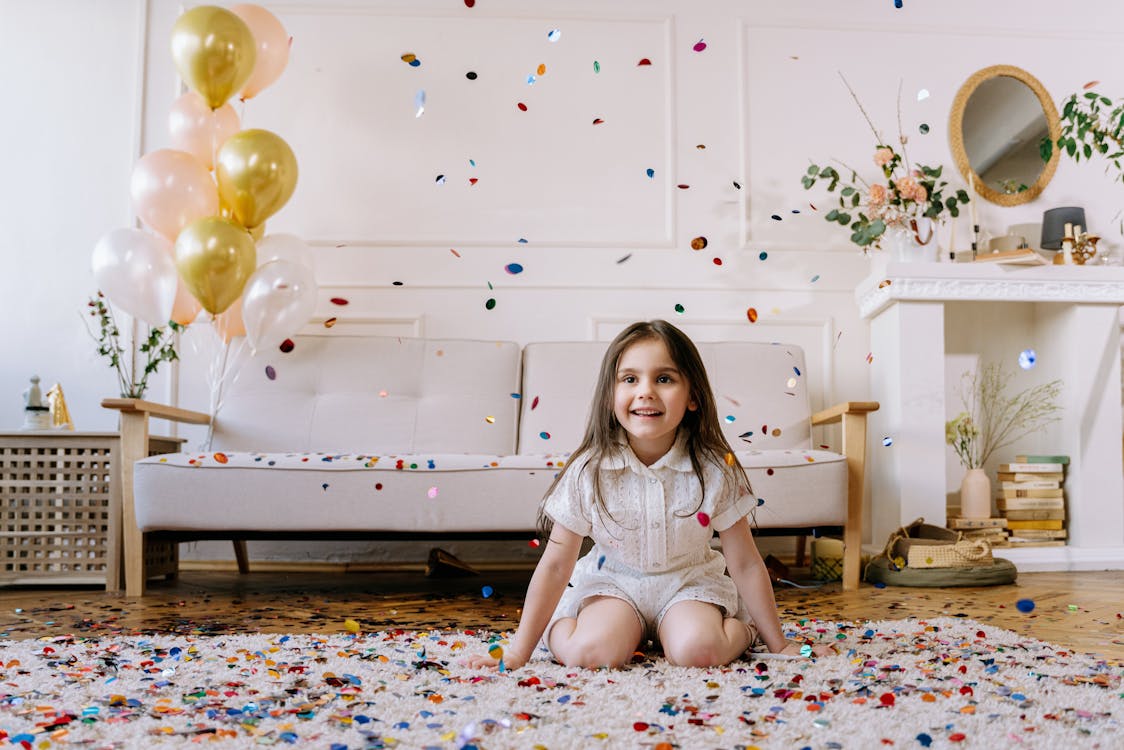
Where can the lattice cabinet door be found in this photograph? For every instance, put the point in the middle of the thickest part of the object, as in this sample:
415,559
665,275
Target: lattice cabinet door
57,513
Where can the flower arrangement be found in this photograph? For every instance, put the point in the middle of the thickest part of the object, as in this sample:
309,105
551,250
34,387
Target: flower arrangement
907,195
158,347
991,419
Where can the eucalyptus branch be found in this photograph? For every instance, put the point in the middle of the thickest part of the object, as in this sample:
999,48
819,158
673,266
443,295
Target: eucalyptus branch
901,131
877,136
158,347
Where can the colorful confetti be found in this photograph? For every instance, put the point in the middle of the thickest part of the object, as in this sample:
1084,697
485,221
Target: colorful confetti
751,313
698,243
1027,358
270,372
553,35
887,441
679,309
1025,605
700,45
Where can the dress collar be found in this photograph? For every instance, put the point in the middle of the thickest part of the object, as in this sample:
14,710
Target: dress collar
677,458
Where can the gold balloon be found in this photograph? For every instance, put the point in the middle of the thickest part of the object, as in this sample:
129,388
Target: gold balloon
257,173
215,257
257,232
214,52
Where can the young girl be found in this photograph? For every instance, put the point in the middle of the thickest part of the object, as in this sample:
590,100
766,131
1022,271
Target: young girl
651,481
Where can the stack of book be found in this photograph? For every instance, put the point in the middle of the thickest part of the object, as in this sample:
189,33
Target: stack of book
993,530
1031,498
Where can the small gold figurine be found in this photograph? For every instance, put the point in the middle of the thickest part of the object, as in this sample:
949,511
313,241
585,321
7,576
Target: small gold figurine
60,415
1084,248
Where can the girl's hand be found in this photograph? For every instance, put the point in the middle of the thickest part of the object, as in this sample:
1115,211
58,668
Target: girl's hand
511,661
796,649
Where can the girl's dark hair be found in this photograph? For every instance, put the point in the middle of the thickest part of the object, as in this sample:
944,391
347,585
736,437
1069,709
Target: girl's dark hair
705,442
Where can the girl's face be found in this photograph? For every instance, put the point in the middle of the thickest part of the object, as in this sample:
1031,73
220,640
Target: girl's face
650,398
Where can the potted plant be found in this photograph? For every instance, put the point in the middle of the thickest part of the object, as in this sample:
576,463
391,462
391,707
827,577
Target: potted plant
992,420
907,200
158,347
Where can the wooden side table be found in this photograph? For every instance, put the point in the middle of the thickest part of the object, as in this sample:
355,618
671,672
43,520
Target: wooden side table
61,508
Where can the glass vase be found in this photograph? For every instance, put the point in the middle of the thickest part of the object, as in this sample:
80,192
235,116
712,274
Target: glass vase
975,494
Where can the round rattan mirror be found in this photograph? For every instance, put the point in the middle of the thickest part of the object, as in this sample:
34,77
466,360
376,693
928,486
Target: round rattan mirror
995,130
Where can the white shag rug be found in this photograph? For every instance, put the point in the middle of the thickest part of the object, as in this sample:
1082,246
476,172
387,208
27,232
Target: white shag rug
899,683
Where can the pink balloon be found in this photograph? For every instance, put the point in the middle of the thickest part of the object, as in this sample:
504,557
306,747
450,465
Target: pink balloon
171,189
186,308
272,45
199,130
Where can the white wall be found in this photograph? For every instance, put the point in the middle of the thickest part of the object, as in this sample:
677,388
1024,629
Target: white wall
87,86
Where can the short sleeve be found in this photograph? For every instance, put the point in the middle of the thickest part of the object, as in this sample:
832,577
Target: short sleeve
568,504
730,503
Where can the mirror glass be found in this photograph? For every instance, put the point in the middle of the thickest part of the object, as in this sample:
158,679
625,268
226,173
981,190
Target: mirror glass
999,119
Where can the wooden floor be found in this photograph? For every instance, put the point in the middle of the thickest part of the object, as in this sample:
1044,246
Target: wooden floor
1078,610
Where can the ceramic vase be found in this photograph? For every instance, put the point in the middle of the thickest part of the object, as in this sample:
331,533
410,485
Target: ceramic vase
975,494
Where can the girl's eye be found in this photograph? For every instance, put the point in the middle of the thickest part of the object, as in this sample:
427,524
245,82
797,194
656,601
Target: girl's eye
663,379
628,379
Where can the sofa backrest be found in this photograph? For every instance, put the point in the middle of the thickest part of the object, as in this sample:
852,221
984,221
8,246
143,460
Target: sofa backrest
371,394
760,390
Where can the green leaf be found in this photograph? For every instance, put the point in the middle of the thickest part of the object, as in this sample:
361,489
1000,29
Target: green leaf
813,170
1046,149
844,219
1070,146
1088,151
847,191
832,215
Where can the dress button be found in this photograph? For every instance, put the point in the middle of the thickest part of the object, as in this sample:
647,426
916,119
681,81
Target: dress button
652,480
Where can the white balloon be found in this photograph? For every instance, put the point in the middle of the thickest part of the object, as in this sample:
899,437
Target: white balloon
285,247
278,299
135,271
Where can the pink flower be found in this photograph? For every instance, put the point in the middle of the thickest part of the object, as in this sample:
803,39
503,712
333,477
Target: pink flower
883,156
877,194
909,189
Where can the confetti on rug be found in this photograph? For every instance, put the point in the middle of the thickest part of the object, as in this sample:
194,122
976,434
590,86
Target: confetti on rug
941,682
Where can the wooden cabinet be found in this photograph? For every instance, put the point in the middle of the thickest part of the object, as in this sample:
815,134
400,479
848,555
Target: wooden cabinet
60,508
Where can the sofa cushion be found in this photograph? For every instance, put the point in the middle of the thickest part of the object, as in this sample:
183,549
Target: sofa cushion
760,390
340,492
374,394
310,492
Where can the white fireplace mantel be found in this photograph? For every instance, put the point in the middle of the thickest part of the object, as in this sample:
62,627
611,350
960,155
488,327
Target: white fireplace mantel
952,282
924,316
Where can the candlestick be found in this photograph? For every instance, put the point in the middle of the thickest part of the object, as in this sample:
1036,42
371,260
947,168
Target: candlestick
972,200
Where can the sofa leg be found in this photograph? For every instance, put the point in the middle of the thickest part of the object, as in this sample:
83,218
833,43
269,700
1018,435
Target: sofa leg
801,546
240,556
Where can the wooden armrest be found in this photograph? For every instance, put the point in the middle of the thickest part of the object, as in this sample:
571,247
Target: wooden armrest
835,413
153,409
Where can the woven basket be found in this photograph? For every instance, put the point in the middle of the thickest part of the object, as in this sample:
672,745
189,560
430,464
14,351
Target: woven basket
922,545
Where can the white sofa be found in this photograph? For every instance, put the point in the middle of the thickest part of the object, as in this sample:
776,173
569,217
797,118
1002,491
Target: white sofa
348,436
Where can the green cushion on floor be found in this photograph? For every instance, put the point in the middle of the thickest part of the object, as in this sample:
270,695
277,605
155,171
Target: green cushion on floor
1000,572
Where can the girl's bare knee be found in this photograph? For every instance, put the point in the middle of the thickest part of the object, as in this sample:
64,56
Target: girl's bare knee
592,653
698,652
